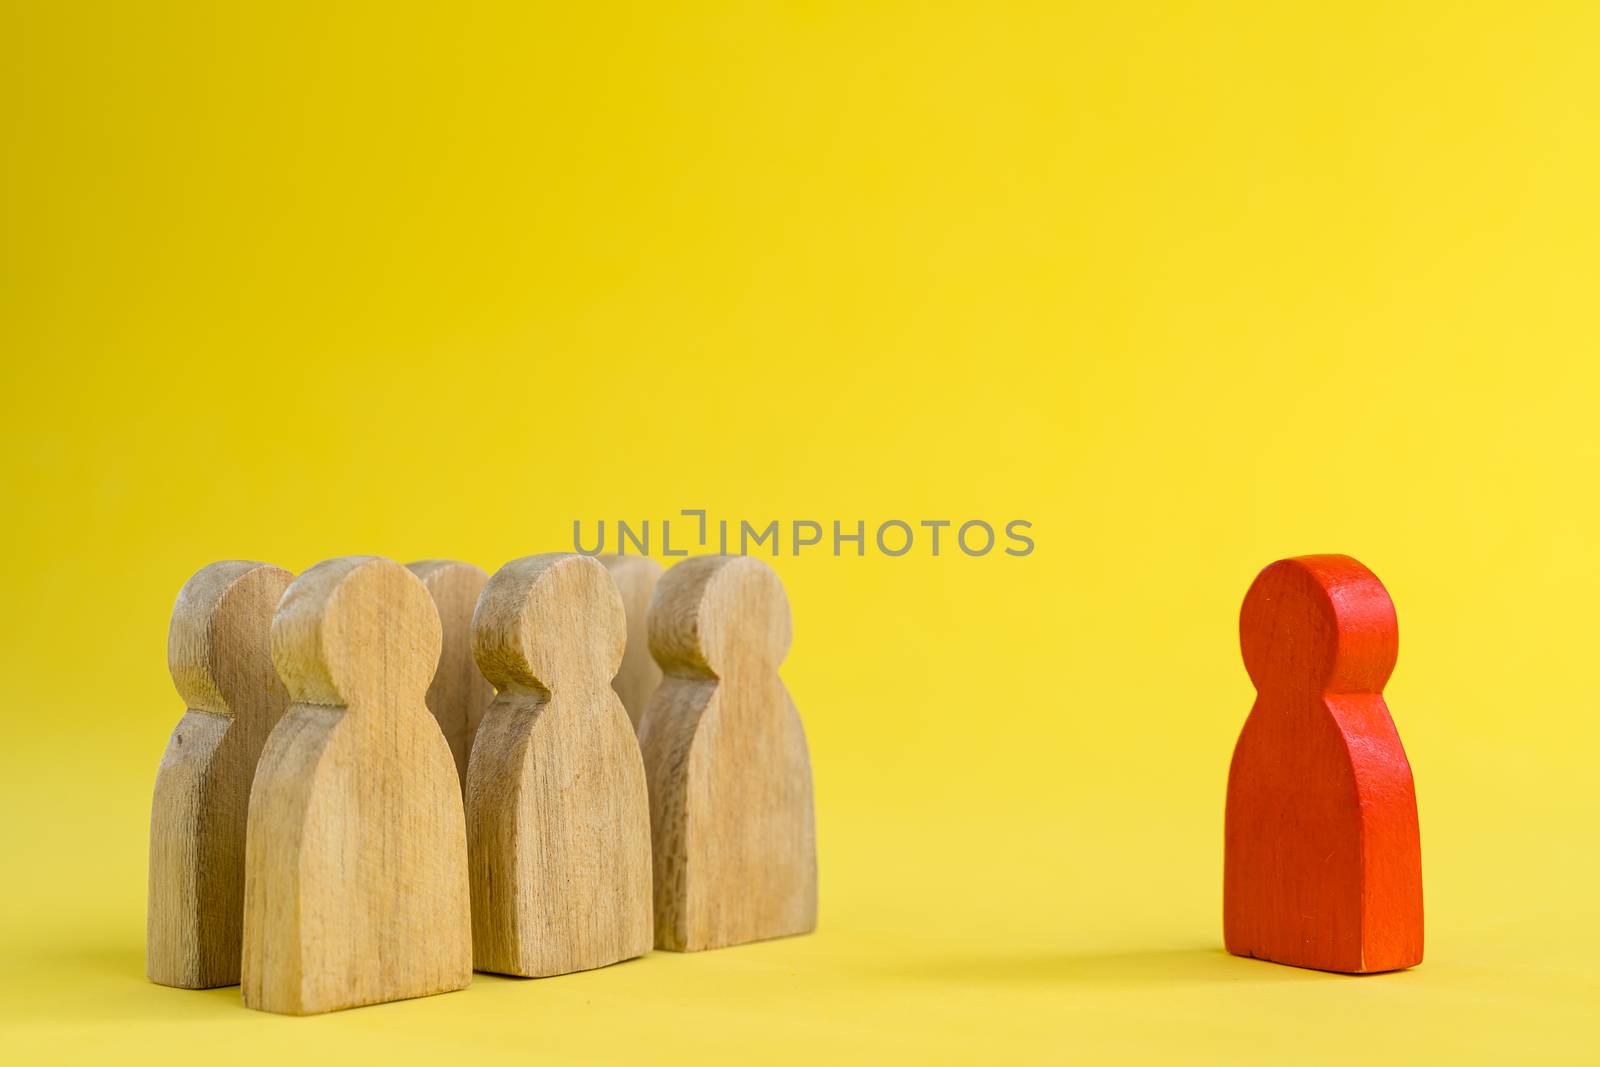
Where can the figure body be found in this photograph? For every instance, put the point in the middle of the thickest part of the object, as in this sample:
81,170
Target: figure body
356,860
219,651
730,775
558,822
1323,860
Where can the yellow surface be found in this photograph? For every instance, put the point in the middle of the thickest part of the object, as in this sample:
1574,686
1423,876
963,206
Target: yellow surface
1189,286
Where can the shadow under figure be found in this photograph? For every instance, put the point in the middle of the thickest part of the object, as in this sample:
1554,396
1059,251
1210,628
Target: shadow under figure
1124,968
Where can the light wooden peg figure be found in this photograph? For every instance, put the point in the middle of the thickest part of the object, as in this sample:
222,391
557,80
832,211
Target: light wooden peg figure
730,777
356,854
558,818
459,693
637,678
219,652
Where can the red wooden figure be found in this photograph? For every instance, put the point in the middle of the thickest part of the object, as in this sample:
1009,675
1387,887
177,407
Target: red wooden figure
1323,864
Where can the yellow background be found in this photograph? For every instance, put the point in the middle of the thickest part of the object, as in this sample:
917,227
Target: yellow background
1191,286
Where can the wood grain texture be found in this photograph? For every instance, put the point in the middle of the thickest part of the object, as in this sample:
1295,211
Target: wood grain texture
356,854
558,817
730,777
637,678
219,652
459,693
1323,864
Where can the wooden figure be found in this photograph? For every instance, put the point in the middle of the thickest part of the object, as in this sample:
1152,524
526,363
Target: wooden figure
356,853
558,817
219,652
1323,863
730,778
459,694
637,678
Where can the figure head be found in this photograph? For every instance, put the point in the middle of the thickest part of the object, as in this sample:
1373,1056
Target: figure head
219,643
549,620
1318,623
357,631
713,614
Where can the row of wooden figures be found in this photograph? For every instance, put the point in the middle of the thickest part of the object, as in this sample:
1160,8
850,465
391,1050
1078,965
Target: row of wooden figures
349,872
320,835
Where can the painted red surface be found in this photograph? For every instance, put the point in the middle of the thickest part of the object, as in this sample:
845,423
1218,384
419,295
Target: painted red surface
1323,863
